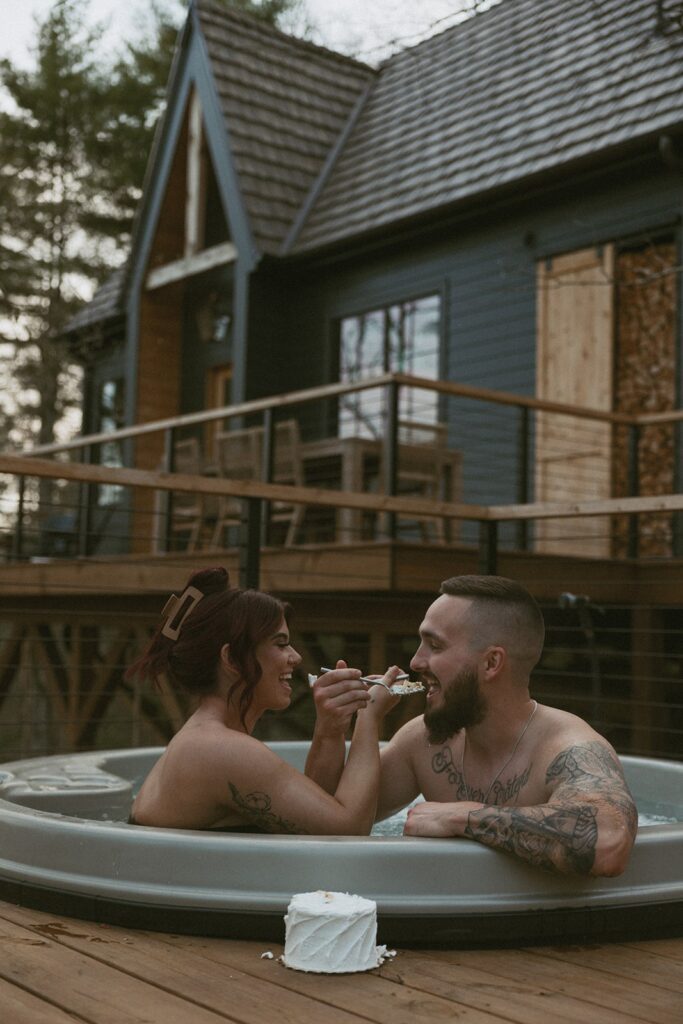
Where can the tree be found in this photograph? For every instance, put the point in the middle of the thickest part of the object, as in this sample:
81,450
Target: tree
47,192
137,87
73,150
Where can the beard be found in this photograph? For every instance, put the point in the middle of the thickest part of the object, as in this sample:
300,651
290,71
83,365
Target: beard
462,704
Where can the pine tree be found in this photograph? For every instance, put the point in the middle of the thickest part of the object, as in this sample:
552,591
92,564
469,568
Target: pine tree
137,87
74,145
46,193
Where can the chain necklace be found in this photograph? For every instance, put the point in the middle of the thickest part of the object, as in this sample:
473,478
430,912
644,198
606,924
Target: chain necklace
504,766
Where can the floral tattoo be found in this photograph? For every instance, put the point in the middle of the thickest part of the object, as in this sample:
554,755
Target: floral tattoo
563,834
256,808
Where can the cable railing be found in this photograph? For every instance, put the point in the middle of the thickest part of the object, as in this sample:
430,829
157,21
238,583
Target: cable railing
495,448
69,625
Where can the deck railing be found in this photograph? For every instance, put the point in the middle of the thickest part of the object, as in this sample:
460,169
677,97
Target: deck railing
65,641
514,449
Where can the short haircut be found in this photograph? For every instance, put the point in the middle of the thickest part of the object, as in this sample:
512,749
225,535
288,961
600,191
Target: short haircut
503,613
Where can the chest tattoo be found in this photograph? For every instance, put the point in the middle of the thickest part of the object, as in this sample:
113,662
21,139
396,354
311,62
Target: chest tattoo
500,792
443,764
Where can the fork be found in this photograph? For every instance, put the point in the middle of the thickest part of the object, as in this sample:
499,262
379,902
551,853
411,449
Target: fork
375,682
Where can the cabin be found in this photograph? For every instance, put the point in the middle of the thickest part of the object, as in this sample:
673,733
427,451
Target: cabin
385,325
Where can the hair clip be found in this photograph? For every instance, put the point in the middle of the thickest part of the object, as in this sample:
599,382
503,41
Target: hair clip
191,597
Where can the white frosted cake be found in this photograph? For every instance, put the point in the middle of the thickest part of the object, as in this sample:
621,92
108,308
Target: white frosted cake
331,933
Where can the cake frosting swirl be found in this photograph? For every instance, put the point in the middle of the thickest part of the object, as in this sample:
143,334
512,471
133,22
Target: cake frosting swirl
331,932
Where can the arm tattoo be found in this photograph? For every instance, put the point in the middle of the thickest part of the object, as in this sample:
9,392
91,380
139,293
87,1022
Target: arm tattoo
501,793
256,808
591,769
562,834
548,837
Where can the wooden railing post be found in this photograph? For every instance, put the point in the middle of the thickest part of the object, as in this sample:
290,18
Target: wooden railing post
250,544
267,467
633,487
18,538
391,453
488,547
84,514
165,502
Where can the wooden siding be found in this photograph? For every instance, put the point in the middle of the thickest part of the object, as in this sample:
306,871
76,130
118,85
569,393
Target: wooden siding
484,266
574,365
159,361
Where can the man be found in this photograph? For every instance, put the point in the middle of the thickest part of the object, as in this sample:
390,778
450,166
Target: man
492,764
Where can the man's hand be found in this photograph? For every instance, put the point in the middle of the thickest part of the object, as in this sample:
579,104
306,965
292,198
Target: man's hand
338,695
438,820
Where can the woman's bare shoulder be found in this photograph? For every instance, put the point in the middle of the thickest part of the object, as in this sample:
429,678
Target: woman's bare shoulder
216,747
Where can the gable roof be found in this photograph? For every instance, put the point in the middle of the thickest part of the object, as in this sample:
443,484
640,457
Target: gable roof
327,149
525,87
286,103
106,304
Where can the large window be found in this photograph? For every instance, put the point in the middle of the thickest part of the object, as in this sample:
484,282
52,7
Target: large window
110,417
402,338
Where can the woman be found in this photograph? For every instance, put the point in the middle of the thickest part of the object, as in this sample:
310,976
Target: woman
231,649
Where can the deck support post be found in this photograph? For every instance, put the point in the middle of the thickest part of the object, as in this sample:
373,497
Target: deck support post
266,468
633,487
391,453
18,539
85,503
488,547
250,544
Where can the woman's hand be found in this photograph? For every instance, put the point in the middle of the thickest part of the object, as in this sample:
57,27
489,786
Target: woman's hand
381,699
338,694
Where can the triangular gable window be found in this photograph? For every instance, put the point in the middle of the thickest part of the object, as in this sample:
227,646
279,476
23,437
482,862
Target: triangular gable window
192,233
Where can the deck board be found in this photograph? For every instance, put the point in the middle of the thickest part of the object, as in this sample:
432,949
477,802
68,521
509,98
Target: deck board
57,969
596,974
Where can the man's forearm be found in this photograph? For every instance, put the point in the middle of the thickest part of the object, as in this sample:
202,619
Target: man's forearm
562,839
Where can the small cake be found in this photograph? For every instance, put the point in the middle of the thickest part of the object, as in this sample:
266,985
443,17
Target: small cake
331,933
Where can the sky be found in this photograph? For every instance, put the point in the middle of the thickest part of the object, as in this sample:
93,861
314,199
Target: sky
369,29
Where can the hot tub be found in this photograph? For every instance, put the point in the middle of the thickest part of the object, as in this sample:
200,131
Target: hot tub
66,847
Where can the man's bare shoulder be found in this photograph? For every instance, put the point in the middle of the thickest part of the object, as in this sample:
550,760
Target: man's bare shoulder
578,759
561,729
410,736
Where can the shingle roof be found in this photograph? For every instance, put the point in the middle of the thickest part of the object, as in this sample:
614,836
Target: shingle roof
327,148
525,87
286,103
106,303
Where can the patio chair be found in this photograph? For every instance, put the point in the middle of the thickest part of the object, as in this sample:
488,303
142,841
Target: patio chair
187,510
424,471
288,469
239,456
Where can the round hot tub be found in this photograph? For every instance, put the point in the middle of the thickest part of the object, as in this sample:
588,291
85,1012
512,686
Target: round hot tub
66,847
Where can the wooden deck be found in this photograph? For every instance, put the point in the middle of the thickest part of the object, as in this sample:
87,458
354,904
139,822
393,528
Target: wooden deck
54,970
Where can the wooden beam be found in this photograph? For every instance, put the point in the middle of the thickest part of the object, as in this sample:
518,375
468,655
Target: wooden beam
196,181
256,405
178,270
579,509
22,466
